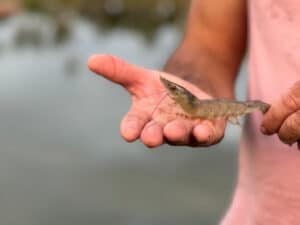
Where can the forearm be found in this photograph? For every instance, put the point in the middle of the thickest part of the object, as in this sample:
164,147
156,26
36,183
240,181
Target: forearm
213,46
205,71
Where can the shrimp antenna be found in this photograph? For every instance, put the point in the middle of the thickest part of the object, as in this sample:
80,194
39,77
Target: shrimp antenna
160,101
157,93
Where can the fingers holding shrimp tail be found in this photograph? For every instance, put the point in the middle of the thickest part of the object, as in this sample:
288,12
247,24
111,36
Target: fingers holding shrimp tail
283,117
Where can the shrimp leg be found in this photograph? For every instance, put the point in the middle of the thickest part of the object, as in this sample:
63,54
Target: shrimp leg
234,120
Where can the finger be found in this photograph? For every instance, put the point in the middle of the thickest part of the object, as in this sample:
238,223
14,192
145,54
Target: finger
118,71
289,132
279,111
209,132
152,134
178,132
133,124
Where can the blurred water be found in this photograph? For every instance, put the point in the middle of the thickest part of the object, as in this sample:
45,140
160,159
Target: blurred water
62,160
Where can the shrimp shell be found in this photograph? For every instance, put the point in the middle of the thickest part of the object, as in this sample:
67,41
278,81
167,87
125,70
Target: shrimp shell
211,108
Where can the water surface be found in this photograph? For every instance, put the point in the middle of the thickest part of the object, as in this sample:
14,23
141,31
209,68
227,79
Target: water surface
62,160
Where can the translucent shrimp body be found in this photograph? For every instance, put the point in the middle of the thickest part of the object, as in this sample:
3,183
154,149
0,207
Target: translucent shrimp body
211,108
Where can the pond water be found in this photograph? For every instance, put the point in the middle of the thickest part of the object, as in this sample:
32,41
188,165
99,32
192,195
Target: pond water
62,160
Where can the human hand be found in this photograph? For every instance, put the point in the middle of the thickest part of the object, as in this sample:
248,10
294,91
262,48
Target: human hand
8,9
152,118
283,117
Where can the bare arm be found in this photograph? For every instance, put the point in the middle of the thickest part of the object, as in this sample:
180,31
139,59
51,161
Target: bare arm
209,56
213,46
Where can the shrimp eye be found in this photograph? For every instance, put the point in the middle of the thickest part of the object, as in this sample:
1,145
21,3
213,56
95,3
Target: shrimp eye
172,88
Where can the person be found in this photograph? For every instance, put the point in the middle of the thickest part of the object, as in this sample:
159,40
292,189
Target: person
206,63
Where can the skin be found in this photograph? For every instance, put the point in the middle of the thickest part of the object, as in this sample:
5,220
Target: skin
283,118
8,9
150,119
206,63
216,65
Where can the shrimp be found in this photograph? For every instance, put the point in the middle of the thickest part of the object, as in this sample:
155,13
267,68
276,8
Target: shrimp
211,108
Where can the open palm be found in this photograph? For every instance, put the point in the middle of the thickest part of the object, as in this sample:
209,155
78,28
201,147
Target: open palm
154,118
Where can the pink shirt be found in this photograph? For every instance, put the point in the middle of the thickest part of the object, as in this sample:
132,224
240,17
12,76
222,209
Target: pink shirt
268,190
273,68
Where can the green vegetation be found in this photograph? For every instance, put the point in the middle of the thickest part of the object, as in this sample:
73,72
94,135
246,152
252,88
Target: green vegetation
144,15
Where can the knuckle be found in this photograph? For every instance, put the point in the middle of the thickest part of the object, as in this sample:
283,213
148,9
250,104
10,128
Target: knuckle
291,101
118,66
292,98
290,131
297,120
293,123
132,118
113,62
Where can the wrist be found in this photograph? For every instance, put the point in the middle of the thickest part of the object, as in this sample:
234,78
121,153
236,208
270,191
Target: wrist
204,71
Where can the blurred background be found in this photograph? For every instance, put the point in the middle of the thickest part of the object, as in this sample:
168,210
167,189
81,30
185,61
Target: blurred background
62,160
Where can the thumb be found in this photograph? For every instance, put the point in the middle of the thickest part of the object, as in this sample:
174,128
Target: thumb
118,71
281,110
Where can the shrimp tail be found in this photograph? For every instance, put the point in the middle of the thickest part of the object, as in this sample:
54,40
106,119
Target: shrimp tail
257,104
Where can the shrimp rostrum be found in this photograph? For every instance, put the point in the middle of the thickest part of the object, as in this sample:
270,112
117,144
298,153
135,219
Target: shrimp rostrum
196,108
